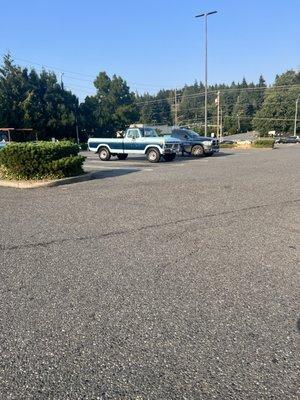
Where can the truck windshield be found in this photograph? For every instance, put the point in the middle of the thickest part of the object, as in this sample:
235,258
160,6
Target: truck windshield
193,135
149,132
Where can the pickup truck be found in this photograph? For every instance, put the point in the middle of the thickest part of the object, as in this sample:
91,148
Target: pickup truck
138,139
194,144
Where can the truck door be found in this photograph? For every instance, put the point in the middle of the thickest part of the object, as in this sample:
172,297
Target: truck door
131,141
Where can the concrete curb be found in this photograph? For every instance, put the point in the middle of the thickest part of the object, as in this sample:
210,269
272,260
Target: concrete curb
248,148
38,184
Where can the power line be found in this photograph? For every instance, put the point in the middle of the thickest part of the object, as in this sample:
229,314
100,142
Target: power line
83,74
256,88
232,116
222,91
169,99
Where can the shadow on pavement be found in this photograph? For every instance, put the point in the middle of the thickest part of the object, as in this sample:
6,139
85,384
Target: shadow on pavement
179,159
110,173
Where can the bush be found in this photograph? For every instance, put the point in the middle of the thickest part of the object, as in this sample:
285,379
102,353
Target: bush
42,160
263,143
227,145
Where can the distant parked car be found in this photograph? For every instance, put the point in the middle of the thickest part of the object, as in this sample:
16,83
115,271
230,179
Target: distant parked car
194,144
227,141
288,139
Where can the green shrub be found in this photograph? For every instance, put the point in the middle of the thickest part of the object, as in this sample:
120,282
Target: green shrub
40,160
263,143
227,145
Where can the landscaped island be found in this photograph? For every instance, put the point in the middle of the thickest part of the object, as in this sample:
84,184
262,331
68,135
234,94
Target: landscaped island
40,161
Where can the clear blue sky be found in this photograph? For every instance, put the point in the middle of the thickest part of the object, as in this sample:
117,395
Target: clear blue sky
152,43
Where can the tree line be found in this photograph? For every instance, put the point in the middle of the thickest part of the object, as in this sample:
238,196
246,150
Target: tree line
29,99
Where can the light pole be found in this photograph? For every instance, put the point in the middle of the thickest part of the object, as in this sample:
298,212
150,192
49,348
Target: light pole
61,80
205,15
296,115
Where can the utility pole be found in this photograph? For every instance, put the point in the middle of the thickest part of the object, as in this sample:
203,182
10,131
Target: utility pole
218,115
76,122
296,115
239,123
238,115
77,132
221,127
176,110
205,15
61,81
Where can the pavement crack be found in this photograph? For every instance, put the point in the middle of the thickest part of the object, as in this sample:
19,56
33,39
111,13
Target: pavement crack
142,228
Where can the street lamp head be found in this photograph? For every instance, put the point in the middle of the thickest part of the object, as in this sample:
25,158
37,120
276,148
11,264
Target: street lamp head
206,14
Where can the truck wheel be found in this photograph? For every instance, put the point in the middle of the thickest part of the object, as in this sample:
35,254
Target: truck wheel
169,157
197,150
122,156
104,154
153,155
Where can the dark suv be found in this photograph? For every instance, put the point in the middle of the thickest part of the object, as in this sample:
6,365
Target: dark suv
288,139
194,144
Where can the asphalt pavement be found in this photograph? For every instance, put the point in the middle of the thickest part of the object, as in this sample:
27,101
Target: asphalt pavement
155,281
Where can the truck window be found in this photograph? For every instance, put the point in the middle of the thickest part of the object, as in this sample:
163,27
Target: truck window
149,132
133,133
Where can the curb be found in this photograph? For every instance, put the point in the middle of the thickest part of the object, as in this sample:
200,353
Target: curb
38,184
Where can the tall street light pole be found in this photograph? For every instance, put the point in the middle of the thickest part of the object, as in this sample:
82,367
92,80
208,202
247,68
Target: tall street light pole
296,116
205,15
61,80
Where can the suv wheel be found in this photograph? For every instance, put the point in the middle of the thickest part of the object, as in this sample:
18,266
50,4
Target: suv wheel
197,150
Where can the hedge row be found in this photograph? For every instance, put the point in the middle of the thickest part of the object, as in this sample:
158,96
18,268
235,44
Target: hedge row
266,143
42,160
258,143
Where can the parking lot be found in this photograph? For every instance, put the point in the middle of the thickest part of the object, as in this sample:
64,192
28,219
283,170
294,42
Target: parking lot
175,280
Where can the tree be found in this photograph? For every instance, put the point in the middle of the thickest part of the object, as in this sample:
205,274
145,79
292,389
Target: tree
278,109
30,100
111,109
156,109
243,111
13,81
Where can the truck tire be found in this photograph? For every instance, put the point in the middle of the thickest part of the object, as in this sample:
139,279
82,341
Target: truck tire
153,155
169,157
104,154
122,156
197,150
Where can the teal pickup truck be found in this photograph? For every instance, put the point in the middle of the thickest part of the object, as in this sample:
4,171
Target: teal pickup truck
138,139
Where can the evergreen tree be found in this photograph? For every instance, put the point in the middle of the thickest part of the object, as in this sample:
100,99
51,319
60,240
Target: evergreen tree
278,109
29,100
112,108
